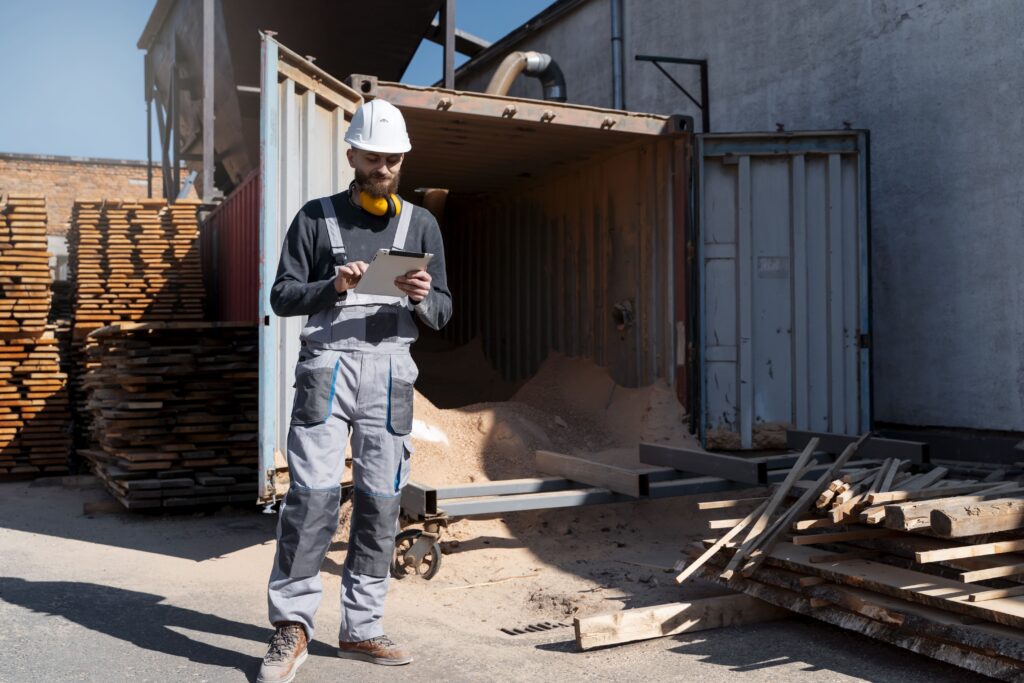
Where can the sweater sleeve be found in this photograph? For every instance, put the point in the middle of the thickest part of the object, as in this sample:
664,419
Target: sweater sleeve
293,293
436,309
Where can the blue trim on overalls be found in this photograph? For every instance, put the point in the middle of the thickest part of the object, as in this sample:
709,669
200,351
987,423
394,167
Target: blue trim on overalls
398,474
330,395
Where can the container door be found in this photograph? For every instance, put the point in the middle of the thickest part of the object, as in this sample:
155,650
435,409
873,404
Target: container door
304,113
784,286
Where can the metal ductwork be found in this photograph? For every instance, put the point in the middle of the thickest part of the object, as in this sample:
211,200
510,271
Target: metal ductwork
535,64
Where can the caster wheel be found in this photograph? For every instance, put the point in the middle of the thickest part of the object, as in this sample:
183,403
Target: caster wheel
405,563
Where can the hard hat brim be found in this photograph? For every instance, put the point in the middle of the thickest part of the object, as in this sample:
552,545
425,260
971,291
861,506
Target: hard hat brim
380,149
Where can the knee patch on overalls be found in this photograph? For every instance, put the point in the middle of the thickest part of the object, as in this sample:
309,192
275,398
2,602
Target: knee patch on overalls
309,519
374,525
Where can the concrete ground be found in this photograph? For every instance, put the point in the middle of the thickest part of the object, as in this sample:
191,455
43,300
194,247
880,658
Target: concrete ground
120,597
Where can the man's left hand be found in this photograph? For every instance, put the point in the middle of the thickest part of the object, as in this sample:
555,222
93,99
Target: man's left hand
416,284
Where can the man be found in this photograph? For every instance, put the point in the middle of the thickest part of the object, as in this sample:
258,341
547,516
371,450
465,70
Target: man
354,378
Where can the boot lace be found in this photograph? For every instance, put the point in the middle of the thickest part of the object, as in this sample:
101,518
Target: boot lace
282,644
382,641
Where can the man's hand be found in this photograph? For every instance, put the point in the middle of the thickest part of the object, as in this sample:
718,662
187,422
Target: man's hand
416,284
349,276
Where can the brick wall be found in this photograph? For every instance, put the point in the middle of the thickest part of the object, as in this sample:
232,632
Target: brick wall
62,180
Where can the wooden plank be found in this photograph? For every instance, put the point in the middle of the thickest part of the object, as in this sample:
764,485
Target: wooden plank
842,536
617,479
938,492
996,594
958,520
977,550
723,504
992,573
644,623
799,467
938,648
906,584
782,524
731,467
692,567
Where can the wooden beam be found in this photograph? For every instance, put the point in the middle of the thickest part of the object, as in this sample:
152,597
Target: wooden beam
956,521
644,623
722,504
734,468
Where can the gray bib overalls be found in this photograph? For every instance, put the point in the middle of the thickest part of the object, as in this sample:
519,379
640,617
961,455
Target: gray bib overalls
354,379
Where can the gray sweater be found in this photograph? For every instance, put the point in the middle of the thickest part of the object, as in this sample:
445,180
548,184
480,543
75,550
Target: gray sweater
305,273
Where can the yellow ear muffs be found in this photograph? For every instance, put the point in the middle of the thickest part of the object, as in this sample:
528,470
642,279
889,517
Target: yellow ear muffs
388,206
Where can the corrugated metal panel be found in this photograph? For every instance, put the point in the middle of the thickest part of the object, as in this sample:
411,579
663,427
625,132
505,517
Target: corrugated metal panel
784,277
580,263
304,114
230,252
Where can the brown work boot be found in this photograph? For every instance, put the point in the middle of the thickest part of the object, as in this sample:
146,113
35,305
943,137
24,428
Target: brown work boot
285,655
379,650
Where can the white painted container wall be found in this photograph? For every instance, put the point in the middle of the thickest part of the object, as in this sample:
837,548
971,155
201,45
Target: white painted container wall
302,129
784,283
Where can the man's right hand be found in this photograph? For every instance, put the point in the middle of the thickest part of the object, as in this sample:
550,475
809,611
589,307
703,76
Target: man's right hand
349,275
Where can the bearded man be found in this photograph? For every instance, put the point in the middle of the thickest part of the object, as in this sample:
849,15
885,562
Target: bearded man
354,378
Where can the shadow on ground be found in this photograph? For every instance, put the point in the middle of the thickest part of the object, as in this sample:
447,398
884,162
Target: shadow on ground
45,507
142,619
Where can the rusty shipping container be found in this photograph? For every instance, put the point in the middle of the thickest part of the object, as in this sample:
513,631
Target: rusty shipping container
563,225
230,252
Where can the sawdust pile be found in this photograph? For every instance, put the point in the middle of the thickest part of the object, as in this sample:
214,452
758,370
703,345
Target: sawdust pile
571,406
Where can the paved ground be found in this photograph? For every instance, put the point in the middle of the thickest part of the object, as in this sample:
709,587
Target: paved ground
118,597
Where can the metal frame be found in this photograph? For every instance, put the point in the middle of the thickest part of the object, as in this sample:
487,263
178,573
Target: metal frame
875,447
705,97
458,104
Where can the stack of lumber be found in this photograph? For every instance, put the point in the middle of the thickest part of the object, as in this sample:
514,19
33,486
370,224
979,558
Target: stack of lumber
135,261
24,265
34,414
129,261
174,412
921,559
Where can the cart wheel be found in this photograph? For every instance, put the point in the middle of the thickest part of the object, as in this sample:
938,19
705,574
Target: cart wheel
405,565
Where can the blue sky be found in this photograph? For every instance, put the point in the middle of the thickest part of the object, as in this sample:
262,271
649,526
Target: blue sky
72,76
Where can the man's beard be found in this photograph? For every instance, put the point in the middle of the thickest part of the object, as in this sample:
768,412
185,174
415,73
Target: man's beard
376,186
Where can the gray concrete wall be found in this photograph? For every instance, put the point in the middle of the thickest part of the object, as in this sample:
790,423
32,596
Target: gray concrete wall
940,85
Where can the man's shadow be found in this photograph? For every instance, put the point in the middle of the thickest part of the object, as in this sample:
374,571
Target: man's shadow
142,619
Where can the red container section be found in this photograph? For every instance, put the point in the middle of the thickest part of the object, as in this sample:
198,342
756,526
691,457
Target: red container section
230,253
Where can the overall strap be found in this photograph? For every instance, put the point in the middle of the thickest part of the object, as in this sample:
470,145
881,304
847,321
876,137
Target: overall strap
333,231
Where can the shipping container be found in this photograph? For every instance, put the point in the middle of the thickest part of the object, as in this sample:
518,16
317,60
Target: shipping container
570,228
230,253
784,285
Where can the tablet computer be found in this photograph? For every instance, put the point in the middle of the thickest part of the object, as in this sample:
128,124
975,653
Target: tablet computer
388,264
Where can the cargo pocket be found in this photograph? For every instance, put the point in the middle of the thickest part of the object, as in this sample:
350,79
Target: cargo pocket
314,393
400,396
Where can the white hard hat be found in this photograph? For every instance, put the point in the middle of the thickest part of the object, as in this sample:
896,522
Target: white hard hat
378,126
